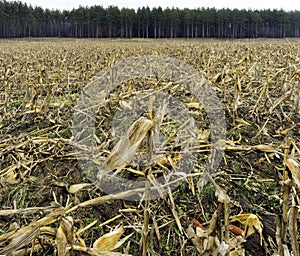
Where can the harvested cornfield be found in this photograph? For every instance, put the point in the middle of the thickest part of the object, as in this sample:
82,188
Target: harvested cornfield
51,204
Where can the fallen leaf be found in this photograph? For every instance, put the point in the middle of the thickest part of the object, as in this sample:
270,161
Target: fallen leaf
242,121
284,132
125,104
122,241
67,225
77,187
195,105
127,146
264,148
223,249
251,223
108,241
294,168
20,238
61,242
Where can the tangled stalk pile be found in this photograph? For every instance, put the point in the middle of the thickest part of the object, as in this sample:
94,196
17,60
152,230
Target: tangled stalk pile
250,207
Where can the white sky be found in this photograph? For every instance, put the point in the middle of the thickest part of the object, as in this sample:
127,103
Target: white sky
240,4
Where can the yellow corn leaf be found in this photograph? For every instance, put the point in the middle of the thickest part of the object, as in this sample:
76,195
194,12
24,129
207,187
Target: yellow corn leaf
251,222
108,241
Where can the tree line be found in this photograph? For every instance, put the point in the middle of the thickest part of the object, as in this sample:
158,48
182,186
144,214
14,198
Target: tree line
19,19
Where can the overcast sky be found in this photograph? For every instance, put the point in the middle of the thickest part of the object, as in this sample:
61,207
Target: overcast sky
240,4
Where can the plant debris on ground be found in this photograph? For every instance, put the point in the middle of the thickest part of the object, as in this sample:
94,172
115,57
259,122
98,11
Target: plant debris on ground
249,206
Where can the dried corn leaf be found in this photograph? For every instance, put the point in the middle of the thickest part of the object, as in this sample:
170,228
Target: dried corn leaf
217,78
81,242
195,105
251,222
242,121
96,252
293,215
77,187
27,251
286,131
122,241
51,217
201,232
236,243
294,168
81,230
21,238
108,241
204,134
29,210
126,148
67,225
125,104
285,250
264,148
193,237
222,196
61,241
223,249
48,231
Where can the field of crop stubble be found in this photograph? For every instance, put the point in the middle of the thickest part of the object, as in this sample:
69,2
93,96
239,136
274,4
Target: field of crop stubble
49,206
